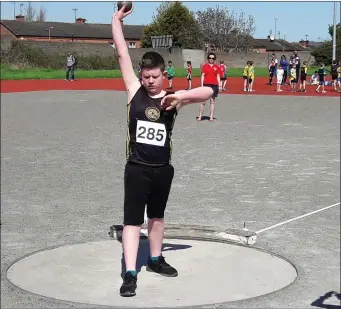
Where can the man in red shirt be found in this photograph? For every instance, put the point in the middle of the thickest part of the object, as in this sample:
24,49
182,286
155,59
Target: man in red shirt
210,77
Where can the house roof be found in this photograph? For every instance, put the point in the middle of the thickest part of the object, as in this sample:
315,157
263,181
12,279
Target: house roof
277,45
81,30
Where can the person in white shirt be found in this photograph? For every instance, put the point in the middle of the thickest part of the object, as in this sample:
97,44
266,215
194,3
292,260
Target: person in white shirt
314,79
280,73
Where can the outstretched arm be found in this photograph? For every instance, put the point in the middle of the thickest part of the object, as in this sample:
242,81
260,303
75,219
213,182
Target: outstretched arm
181,98
131,81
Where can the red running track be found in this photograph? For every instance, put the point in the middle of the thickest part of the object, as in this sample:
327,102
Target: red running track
234,86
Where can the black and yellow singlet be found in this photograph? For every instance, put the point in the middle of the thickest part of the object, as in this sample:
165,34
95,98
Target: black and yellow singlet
149,130
304,70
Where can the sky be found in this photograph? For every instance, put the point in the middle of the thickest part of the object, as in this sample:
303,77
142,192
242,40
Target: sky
295,20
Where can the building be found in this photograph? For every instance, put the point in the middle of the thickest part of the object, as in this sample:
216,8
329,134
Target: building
264,46
80,32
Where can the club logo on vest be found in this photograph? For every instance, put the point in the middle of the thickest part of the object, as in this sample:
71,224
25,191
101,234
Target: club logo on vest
152,113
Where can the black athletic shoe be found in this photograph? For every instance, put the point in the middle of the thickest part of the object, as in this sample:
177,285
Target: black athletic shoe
161,267
129,285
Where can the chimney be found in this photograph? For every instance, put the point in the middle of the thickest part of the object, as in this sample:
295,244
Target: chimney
20,18
80,20
304,43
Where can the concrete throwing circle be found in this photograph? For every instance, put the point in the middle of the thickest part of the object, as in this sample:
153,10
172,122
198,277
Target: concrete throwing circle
209,272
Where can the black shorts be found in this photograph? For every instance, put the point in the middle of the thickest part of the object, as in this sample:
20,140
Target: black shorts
334,76
321,82
146,185
303,77
223,78
250,80
189,77
215,89
245,77
170,77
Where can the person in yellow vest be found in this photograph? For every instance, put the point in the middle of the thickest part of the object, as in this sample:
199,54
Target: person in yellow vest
246,75
251,76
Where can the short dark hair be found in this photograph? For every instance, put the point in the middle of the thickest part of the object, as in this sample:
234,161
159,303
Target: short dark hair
189,62
152,60
212,54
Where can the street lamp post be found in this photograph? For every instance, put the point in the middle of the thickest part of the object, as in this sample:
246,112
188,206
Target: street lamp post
50,33
14,9
334,32
275,25
75,10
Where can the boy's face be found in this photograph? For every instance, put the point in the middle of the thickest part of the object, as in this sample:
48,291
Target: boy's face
152,80
211,58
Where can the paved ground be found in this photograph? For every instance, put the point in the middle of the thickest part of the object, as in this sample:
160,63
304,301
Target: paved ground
262,161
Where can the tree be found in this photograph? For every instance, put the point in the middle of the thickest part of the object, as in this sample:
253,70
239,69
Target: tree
41,16
227,30
173,18
30,12
324,53
32,15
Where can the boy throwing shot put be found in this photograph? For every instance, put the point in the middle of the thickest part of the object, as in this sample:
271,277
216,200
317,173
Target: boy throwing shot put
148,173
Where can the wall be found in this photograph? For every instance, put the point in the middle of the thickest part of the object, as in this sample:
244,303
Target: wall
75,40
178,56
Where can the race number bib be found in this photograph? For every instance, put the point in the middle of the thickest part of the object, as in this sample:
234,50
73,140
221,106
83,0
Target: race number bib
151,133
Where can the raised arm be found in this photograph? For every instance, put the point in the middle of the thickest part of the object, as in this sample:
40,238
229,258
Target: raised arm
130,79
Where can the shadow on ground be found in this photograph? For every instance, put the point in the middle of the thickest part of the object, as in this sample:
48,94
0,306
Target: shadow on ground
143,254
330,300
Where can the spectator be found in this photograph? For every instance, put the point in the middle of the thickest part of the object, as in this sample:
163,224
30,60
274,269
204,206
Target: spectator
333,69
223,75
189,75
210,77
246,76
285,65
314,79
293,77
251,80
298,65
170,74
339,75
321,73
272,68
304,73
280,73
70,63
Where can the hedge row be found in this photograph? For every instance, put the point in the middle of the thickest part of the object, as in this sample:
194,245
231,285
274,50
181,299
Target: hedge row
20,56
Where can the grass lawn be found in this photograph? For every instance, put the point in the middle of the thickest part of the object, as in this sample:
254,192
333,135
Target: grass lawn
36,73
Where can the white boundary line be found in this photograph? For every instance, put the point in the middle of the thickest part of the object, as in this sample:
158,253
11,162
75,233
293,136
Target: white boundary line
293,219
